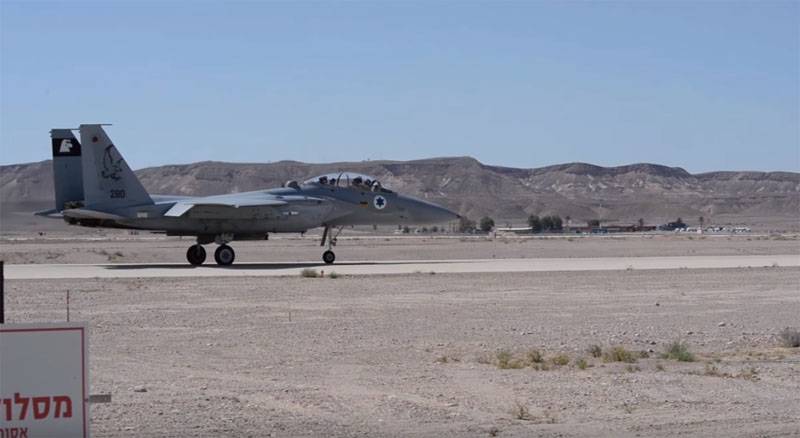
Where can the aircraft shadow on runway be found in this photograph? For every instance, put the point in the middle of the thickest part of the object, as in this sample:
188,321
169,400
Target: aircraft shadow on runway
271,266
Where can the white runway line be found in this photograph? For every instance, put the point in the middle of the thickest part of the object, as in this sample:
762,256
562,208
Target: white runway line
163,270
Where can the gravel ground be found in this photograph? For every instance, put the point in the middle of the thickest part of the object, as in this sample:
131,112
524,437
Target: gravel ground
418,354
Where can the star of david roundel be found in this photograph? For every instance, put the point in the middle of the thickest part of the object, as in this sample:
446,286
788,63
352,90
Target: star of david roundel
379,202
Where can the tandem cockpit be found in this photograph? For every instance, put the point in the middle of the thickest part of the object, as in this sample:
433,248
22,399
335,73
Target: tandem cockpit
349,180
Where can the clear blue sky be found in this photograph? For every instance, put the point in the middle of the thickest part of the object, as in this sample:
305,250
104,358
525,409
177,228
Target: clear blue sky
702,85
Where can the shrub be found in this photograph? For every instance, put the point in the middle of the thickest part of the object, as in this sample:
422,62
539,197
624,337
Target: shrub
541,366
619,354
309,273
749,374
485,359
503,357
560,360
713,371
466,225
581,363
486,224
535,223
333,275
534,356
595,350
790,338
520,411
678,351
506,361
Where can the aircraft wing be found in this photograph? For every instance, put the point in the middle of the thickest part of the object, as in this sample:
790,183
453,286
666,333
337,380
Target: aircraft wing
180,208
225,202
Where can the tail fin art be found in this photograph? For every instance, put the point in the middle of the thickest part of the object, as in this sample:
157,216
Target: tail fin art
108,182
67,171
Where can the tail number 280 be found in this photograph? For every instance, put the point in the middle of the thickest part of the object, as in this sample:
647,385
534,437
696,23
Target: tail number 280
117,194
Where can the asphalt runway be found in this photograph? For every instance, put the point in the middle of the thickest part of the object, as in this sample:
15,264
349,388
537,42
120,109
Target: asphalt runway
164,270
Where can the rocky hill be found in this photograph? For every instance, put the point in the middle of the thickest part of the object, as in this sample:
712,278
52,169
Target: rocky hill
581,191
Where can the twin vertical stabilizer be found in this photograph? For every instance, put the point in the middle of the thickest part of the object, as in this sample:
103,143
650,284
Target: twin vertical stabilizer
91,173
108,182
67,169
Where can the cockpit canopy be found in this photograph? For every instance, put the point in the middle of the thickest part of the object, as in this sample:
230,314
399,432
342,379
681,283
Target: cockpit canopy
349,179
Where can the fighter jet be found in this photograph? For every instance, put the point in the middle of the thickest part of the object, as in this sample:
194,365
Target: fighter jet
94,187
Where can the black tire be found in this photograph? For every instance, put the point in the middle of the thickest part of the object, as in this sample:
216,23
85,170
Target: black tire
224,255
196,255
328,257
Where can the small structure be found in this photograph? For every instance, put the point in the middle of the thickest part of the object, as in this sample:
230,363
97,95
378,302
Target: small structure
513,230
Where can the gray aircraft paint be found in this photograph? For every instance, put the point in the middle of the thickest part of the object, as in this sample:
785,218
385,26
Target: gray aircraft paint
114,197
107,180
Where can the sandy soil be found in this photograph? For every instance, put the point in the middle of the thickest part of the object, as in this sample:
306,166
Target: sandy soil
148,248
418,354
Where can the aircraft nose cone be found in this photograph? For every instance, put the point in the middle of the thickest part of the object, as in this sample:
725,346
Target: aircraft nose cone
448,215
424,212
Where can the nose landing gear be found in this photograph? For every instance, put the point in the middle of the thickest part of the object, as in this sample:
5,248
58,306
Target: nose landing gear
328,256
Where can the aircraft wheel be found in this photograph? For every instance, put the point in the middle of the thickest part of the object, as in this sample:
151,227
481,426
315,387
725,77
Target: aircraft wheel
196,255
328,257
224,255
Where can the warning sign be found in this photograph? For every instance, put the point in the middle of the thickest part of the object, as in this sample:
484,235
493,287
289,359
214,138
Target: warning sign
44,380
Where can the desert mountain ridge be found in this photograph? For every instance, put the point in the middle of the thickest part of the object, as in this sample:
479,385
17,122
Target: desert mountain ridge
580,190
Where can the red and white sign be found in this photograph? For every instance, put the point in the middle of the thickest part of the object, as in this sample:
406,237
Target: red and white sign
44,381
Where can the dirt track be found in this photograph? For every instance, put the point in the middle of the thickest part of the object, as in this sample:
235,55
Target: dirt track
417,354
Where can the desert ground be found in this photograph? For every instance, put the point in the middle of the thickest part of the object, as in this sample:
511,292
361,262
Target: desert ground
427,353
121,247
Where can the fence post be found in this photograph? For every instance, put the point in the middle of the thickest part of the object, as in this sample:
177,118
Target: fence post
2,294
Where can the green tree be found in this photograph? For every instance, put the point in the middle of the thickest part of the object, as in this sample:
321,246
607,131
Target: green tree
547,223
487,224
558,224
535,223
466,225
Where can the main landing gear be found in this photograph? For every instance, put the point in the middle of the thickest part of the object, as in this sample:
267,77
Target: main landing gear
328,256
196,254
224,255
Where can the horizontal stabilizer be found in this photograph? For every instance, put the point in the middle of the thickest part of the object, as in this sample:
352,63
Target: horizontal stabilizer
50,214
84,213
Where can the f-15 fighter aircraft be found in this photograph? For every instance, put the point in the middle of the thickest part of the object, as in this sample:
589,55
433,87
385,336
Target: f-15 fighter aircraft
94,187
